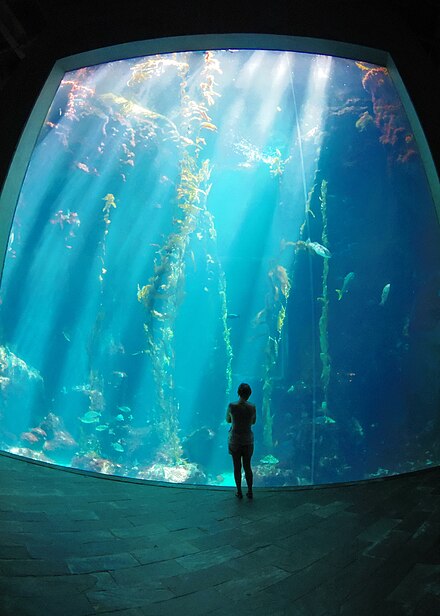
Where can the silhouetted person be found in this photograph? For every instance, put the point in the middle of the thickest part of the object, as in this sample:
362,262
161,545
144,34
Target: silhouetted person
242,415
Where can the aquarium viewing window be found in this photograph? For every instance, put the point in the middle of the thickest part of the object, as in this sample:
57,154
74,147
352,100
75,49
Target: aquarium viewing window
183,215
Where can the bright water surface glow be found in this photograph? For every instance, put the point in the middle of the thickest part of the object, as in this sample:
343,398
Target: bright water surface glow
189,221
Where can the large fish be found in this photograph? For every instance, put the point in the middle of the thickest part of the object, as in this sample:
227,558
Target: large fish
320,250
385,293
90,417
347,280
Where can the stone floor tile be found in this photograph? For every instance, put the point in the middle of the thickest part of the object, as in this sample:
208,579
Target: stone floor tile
14,552
152,571
199,603
194,581
53,605
389,544
246,584
420,580
207,558
122,597
17,567
377,531
135,548
108,562
168,552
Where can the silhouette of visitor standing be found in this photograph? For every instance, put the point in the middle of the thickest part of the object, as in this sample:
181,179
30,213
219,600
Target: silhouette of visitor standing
242,415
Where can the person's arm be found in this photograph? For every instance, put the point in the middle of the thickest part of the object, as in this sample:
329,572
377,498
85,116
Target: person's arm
254,416
228,415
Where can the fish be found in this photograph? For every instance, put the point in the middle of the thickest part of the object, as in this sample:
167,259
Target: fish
347,280
120,375
318,249
124,409
311,133
385,293
120,417
66,336
323,420
83,167
259,318
117,447
193,259
233,315
28,436
101,427
357,428
298,386
159,315
208,126
186,140
90,417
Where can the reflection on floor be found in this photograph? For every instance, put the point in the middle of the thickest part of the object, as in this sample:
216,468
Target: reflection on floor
75,544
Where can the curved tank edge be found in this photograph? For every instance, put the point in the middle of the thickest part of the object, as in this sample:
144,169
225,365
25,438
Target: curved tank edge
213,488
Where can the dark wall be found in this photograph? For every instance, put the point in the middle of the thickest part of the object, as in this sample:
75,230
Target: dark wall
64,28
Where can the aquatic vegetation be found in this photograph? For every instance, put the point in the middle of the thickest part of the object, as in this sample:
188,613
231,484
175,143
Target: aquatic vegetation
183,473
195,196
269,155
323,321
215,273
211,66
69,218
32,454
78,96
92,461
49,436
155,66
275,314
269,459
161,296
389,115
4,382
147,121
109,205
16,368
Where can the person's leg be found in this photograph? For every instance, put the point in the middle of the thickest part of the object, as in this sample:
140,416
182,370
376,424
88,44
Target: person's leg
236,458
248,470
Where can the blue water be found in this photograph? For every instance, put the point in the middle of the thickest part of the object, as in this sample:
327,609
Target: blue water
192,221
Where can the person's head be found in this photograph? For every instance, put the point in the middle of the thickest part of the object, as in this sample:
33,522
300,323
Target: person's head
244,391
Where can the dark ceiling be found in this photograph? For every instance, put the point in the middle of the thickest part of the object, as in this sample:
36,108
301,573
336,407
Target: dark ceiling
35,33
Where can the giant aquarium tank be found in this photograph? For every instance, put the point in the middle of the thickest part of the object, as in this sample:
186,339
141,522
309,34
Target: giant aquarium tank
184,215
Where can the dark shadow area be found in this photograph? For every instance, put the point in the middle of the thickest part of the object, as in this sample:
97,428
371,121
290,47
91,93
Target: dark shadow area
73,543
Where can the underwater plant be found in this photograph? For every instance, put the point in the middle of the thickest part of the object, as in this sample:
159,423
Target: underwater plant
163,293
276,305
389,114
323,321
89,438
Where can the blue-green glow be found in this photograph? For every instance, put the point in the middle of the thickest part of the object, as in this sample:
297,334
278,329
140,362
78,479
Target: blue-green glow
168,243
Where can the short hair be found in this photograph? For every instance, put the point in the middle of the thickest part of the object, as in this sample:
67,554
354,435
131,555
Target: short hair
244,390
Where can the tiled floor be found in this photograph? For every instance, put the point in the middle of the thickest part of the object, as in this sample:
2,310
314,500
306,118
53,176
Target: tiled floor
76,545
